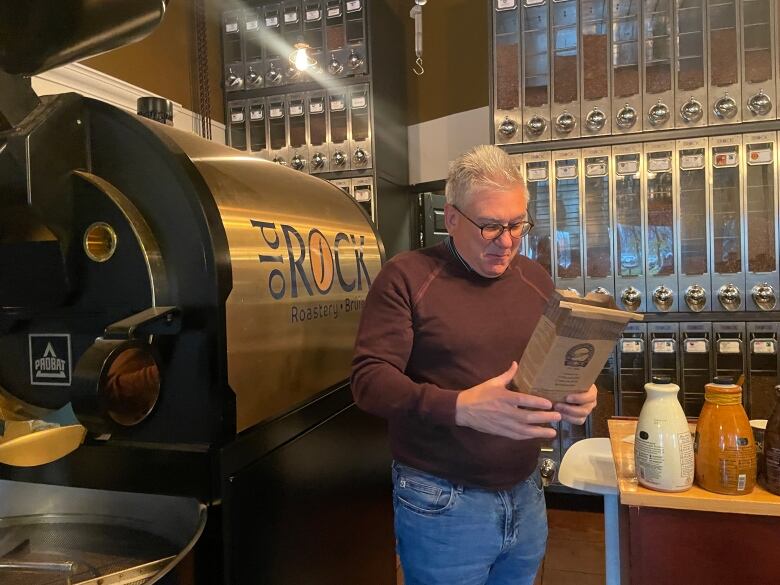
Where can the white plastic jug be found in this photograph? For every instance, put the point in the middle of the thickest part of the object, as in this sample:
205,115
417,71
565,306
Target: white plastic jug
663,447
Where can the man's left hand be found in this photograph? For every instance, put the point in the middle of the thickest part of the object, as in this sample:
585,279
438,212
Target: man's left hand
577,406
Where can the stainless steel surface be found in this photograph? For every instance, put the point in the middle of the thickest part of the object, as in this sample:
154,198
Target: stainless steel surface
725,58
657,63
626,117
760,213
568,241
631,298
338,130
566,68
691,56
692,111
626,69
696,298
759,58
663,299
598,220
317,124
535,127
596,120
595,65
630,221
764,296
507,128
538,244
536,70
658,115
760,104
727,202
360,130
565,123
320,255
99,532
730,297
725,108
507,113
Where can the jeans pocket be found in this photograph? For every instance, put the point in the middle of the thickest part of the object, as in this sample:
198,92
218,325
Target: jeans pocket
535,481
422,493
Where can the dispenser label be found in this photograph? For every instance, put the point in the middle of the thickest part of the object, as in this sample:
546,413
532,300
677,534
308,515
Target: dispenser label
50,359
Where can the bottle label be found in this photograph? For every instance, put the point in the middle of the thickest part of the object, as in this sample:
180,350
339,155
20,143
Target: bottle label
736,464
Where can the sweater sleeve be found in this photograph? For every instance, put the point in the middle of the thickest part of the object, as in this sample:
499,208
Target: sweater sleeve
384,343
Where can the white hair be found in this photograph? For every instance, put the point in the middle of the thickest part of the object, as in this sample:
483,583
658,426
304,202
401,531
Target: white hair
483,167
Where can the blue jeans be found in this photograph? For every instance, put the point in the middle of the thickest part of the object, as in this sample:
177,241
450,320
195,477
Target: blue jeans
449,534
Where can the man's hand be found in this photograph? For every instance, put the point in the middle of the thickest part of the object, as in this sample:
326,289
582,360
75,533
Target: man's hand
578,406
491,408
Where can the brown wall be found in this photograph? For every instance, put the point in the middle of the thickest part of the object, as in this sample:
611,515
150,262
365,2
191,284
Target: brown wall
455,57
163,63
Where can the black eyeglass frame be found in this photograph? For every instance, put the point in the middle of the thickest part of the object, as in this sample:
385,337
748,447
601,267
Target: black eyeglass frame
526,226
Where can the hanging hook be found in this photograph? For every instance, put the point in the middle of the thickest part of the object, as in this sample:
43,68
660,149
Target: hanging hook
418,67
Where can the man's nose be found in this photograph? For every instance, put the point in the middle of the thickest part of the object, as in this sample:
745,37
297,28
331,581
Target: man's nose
505,240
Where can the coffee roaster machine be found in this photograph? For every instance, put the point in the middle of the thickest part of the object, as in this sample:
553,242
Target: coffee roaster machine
647,133
176,329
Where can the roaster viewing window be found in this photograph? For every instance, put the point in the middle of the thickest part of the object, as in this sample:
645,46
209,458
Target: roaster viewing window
537,56
567,220
760,207
597,218
726,210
660,215
628,207
538,244
693,212
595,62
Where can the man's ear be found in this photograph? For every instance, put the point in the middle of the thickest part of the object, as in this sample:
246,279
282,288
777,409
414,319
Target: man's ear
451,217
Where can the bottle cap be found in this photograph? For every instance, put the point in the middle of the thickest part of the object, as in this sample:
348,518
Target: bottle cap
662,379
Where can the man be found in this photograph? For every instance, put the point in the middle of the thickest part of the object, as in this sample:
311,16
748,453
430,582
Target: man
439,340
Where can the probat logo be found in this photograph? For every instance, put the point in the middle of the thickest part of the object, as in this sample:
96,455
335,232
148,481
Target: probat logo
316,272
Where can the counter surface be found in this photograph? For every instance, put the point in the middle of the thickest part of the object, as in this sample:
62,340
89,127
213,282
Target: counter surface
621,435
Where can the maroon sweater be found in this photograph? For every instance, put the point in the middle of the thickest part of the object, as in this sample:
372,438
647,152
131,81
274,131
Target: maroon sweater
430,328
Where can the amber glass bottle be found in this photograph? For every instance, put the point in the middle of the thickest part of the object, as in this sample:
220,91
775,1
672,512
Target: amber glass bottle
724,446
772,448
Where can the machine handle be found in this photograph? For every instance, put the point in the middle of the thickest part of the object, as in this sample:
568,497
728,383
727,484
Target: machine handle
152,321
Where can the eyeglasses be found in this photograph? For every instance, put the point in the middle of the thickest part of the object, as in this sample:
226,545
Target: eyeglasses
493,231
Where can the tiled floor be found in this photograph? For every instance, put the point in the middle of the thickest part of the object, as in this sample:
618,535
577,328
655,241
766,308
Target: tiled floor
575,549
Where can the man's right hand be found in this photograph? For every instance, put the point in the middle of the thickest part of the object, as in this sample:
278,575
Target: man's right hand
491,408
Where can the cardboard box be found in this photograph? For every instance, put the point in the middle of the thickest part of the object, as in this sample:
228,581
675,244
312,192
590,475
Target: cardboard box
570,345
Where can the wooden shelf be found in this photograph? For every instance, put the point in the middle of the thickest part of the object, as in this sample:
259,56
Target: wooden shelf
621,435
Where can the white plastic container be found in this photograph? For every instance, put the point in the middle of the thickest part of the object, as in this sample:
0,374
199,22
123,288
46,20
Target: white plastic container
663,447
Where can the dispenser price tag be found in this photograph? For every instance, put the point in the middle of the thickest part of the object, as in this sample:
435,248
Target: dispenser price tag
566,171
535,174
316,107
598,169
237,117
764,346
506,4
336,104
291,17
760,156
276,112
534,2
354,5
256,114
663,346
627,167
696,346
363,195
729,346
725,159
334,11
659,165
296,109
312,15
231,27
631,346
252,24
691,161
358,102
271,21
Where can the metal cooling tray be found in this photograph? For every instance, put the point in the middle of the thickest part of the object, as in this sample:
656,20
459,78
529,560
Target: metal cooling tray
52,535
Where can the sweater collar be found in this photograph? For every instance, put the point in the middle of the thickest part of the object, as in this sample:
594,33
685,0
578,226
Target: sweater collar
450,244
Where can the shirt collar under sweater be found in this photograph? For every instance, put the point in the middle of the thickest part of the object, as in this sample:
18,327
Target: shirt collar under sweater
450,244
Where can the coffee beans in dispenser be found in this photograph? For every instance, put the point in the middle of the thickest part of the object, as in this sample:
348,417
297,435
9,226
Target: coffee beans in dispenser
724,446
